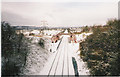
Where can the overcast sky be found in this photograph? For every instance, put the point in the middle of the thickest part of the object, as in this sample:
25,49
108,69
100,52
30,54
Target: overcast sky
59,13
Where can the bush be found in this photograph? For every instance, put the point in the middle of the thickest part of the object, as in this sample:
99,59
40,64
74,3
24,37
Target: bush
14,50
101,50
41,43
86,29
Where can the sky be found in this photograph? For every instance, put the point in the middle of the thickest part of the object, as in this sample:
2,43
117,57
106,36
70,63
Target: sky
59,14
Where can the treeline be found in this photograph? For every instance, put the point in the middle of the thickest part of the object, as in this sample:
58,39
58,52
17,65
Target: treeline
14,50
101,50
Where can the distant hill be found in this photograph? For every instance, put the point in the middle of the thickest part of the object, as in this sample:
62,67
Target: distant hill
28,27
36,28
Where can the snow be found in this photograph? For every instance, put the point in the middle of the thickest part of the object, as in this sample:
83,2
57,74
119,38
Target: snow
66,31
60,63
82,68
51,32
53,61
26,33
36,32
82,36
37,56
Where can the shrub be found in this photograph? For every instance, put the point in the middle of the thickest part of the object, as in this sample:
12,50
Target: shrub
14,50
101,50
41,43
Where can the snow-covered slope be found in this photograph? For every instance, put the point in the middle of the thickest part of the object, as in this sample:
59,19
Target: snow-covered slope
82,36
82,68
39,59
37,56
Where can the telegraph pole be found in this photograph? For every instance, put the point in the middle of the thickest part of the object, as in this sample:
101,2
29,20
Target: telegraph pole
44,23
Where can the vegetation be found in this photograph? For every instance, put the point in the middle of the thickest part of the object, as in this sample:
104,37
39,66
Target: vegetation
41,42
86,29
101,50
14,50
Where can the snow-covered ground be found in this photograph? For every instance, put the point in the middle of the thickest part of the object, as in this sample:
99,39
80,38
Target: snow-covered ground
66,31
42,32
39,59
82,68
70,49
81,37
51,32
37,56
